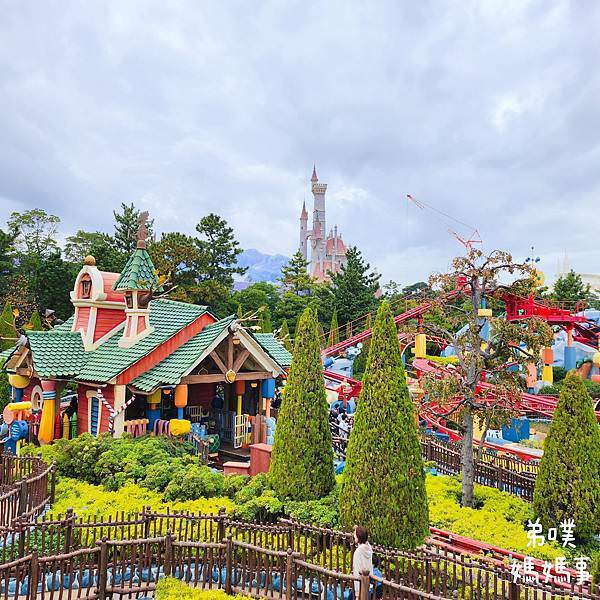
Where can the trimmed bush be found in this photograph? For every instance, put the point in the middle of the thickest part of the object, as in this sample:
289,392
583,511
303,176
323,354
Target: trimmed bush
384,480
174,589
568,481
302,457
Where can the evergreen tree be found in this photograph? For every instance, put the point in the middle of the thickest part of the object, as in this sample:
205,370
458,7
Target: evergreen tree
35,322
354,288
384,479
266,326
7,331
7,259
290,308
568,483
294,275
219,251
284,336
126,228
570,288
302,458
334,334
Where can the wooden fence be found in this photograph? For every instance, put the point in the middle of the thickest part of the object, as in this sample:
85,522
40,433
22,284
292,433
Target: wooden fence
71,557
26,487
505,473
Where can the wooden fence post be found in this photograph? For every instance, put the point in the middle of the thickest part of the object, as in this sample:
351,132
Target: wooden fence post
428,574
365,582
34,574
147,517
52,482
22,496
69,522
102,568
228,564
20,530
168,553
221,524
513,591
289,567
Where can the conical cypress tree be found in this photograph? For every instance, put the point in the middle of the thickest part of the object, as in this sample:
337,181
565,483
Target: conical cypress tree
284,336
36,321
334,334
266,325
302,458
7,331
568,481
384,480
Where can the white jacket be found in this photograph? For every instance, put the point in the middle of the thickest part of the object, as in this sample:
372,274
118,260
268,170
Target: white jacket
362,561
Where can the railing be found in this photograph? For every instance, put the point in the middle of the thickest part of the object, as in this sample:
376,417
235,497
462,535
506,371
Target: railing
26,487
126,555
501,472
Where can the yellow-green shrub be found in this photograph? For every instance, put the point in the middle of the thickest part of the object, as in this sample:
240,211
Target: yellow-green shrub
173,589
95,500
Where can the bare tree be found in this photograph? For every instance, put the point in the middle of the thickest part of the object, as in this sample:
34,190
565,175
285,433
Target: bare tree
484,350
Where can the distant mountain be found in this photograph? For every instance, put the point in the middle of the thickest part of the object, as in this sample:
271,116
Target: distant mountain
261,267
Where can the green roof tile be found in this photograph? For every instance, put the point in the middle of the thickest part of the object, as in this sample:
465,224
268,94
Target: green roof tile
57,353
138,273
176,365
166,316
275,350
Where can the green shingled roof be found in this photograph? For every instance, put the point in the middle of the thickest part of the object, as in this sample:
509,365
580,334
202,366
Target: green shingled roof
176,365
275,350
57,353
138,273
166,316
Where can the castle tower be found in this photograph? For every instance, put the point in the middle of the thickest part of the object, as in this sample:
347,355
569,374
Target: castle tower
304,231
319,226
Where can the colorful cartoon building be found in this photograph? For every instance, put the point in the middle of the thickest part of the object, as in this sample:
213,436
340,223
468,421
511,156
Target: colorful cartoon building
139,363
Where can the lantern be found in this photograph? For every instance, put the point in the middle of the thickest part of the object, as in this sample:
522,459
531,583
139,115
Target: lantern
181,396
18,381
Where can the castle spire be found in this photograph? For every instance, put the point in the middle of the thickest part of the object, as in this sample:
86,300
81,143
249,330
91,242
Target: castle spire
304,213
314,177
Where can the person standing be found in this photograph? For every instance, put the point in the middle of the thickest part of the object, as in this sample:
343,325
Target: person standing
362,559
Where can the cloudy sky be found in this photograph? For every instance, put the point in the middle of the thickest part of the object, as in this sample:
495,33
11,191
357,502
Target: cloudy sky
488,111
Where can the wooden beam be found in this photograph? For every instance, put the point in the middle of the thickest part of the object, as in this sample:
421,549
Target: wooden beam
230,352
241,359
218,361
219,377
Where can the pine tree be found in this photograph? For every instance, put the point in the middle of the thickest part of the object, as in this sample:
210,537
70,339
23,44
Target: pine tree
384,480
7,330
354,288
284,336
218,251
126,227
568,484
334,334
302,458
294,275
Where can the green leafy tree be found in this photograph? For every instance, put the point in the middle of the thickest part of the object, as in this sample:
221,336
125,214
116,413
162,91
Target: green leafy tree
7,259
302,459
219,251
354,288
256,295
567,485
8,336
5,387
213,294
294,275
57,277
97,244
384,479
290,308
126,228
334,333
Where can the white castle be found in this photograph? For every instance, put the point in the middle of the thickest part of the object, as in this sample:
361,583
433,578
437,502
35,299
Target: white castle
327,252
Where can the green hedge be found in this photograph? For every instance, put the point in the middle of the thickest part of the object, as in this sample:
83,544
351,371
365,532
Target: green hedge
174,589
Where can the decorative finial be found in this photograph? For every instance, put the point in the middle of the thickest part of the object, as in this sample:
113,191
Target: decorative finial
142,232
89,260
314,174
